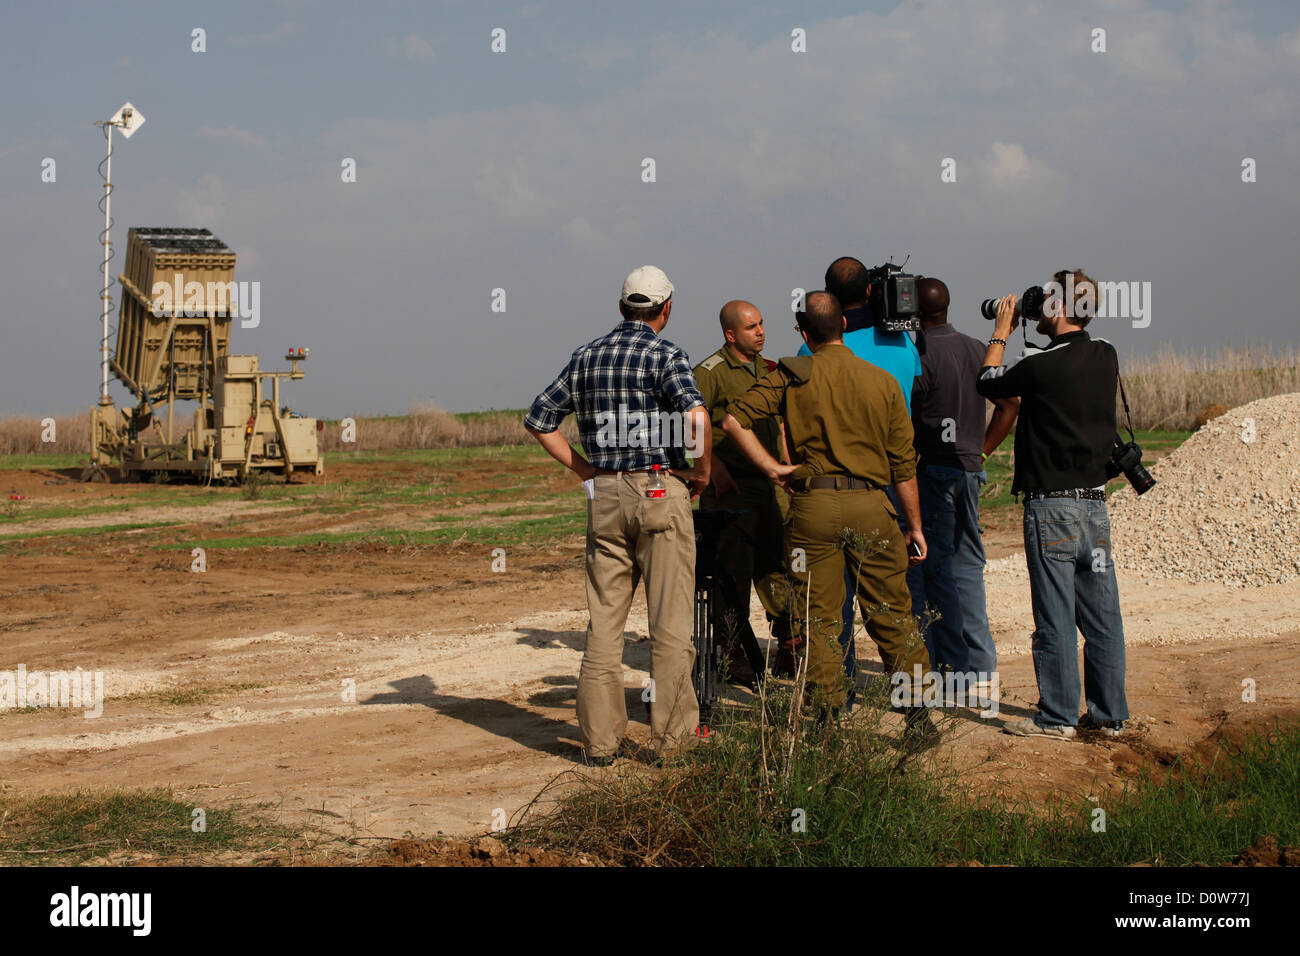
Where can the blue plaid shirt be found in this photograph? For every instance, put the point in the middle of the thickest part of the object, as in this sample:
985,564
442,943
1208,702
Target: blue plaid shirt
631,391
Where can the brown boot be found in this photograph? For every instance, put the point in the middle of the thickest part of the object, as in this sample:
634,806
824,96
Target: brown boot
787,658
738,669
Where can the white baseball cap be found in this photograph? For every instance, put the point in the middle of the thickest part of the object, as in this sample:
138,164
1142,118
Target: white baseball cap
646,287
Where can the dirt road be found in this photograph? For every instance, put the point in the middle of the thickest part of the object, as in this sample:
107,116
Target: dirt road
401,690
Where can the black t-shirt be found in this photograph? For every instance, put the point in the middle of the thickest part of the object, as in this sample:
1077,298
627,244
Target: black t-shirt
1066,429
947,409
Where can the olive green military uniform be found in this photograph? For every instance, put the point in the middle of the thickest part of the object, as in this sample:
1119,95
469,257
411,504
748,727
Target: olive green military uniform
751,550
844,418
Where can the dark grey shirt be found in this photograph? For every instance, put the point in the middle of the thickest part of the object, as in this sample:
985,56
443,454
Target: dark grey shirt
947,410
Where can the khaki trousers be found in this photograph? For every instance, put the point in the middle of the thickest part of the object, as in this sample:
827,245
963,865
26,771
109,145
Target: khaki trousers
629,538
858,527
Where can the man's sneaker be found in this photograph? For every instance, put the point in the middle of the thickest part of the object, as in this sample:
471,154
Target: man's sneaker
1028,727
591,761
1107,728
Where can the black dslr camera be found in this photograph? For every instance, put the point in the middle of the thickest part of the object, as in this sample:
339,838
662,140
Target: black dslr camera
1028,306
891,299
1126,459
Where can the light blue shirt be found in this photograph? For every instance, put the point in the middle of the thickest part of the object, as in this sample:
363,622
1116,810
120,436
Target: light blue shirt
895,352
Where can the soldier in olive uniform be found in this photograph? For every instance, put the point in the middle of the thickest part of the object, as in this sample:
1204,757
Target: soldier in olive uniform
752,547
849,436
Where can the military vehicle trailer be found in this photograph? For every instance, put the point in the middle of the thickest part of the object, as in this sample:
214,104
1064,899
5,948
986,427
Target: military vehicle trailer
172,347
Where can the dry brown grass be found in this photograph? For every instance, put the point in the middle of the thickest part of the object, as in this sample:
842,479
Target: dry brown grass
424,426
427,426
22,436
1168,389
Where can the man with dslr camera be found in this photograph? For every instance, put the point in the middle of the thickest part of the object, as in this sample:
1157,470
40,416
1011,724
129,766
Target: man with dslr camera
1065,439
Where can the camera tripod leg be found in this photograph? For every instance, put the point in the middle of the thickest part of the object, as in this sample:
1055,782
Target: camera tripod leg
705,673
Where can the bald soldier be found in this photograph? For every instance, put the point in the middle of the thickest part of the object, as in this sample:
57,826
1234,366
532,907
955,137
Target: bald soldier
751,549
849,436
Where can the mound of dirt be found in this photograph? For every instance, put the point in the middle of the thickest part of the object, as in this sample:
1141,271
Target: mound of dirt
1267,852
1226,507
486,851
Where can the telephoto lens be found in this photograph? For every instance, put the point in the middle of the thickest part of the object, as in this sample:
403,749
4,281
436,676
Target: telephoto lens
1140,478
1029,305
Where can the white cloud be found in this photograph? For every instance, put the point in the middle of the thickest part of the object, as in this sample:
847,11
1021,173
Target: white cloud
203,204
1008,164
283,31
511,189
585,235
410,47
1291,43
770,164
233,134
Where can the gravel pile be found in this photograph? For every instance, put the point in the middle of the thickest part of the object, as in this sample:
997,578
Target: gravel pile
1227,504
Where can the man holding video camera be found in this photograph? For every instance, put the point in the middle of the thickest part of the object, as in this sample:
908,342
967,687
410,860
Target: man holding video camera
1066,437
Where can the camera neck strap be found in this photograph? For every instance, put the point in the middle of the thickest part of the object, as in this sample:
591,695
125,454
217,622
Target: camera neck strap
1123,397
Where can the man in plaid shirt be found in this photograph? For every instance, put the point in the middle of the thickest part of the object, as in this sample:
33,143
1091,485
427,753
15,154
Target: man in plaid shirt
638,407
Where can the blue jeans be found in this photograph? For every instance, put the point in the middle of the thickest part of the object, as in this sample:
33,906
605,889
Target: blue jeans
951,579
1072,583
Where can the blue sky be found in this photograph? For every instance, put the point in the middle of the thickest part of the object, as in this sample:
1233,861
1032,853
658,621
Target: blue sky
522,170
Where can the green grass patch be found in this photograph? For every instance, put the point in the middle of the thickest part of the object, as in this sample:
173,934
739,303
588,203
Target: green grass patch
527,531
42,461
444,456
772,789
72,828
82,532
51,512
999,468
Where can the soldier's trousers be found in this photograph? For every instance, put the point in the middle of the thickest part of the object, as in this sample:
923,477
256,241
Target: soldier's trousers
631,537
753,551
860,528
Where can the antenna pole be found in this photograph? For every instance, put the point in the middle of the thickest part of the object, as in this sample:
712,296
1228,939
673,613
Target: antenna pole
108,254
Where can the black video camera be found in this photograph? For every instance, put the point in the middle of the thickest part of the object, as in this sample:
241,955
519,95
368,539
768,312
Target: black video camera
1126,459
1028,306
891,299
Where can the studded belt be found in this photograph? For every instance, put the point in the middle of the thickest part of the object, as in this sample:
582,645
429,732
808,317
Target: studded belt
1091,494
